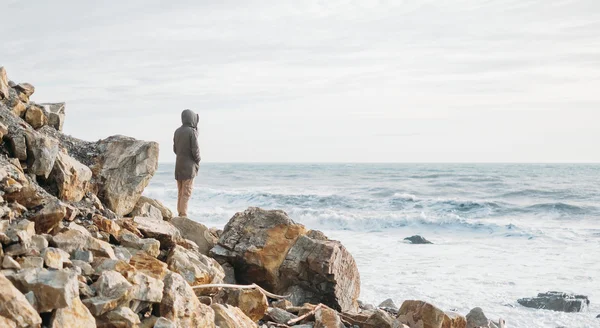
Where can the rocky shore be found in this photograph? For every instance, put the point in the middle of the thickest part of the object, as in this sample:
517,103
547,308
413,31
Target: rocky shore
81,247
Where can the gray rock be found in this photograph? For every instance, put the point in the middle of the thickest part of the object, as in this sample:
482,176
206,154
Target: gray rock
53,289
476,318
195,232
418,240
557,301
81,255
388,304
280,316
41,153
56,114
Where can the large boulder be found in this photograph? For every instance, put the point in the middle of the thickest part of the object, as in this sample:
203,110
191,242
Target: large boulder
181,306
422,314
75,316
195,268
557,301
15,307
196,232
71,177
148,245
268,248
52,289
231,317
56,114
41,153
146,288
124,168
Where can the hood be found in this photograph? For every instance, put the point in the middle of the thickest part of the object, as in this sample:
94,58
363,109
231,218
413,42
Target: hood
189,118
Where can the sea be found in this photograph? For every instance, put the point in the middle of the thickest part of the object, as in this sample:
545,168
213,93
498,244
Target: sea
500,232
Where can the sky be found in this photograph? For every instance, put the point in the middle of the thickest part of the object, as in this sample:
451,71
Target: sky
321,81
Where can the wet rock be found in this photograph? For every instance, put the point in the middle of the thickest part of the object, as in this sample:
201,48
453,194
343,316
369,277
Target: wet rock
557,301
35,116
49,217
195,268
15,307
75,316
56,114
3,84
180,305
195,232
328,318
148,245
52,289
231,317
388,304
414,313
252,302
41,154
280,316
72,178
125,169
417,240
149,265
122,317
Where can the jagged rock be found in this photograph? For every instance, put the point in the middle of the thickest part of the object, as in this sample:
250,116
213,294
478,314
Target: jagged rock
280,316
328,318
417,240
164,323
52,290
9,263
55,257
49,217
15,307
41,153
35,116
229,274
104,264
81,255
252,302
13,103
231,317
25,88
3,84
18,146
122,317
3,130
195,232
149,265
112,290
372,319
72,240
180,305
388,304
75,316
477,319
195,268
557,301
31,262
71,177
125,169
56,114
146,288
86,268
141,208
160,230
148,245
122,253
109,226
146,210
414,313
21,231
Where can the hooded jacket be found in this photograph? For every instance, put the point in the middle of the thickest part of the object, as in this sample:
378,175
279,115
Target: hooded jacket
185,146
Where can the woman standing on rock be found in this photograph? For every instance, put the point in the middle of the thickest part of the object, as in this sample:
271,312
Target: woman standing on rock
185,146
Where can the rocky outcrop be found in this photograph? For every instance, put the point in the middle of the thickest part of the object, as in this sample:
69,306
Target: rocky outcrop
557,301
417,240
422,314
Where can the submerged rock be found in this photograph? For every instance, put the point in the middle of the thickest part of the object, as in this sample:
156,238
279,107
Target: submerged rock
418,240
388,304
557,301
477,319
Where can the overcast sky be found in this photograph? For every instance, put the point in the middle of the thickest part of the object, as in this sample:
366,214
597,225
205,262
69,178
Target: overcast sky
321,81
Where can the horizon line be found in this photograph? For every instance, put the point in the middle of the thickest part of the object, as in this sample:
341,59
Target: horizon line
363,163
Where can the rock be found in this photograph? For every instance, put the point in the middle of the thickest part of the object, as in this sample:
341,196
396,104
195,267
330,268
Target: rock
328,318
388,304
41,154
35,116
164,323
49,217
160,230
417,240
476,319
195,268
598,317
149,265
280,316
86,268
75,316
148,245
146,210
120,266
372,319
72,178
15,307
85,256
282,304
557,301
195,232
413,313
25,88
55,257
9,263
180,305
252,302
56,114
125,169
231,317
32,262
3,130
52,290
146,288
141,208
73,240
18,146
122,253
112,290
122,317
3,84
7,323
109,226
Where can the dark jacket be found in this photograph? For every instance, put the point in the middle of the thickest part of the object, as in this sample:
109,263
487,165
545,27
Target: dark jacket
185,146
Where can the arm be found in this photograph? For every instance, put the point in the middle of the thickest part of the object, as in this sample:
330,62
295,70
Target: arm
174,148
195,147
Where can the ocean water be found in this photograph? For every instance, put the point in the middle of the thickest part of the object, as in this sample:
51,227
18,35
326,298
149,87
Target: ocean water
500,231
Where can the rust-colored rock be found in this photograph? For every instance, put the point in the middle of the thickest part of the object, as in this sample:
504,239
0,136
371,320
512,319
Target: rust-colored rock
252,302
106,225
327,318
49,217
35,116
422,314
149,265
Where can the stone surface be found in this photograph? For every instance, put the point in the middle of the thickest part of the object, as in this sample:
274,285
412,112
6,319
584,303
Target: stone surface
32,262
49,217
109,226
148,245
75,316
231,317
280,316
388,304
146,210
55,257
252,302
476,319
146,288
327,318
195,268
3,130
180,305
195,232
122,317
52,289
112,290
124,268
3,83
35,116
18,146
164,323
9,263
163,231
72,178
124,170
41,153
149,265
25,88
141,207
72,240
417,240
557,301
56,114
422,314
15,307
